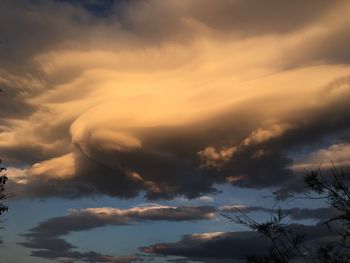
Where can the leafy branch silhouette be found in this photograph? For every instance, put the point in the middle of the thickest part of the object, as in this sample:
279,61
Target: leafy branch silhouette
285,245
3,195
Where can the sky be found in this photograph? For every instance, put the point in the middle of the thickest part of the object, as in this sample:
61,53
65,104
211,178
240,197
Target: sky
129,126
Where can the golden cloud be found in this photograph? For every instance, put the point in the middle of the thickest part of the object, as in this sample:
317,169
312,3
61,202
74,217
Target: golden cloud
144,105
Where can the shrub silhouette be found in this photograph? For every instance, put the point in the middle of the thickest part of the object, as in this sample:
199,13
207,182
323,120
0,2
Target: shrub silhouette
3,195
3,180
288,246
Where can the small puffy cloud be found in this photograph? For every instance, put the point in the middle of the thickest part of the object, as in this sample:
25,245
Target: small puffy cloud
19,176
272,130
59,167
213,158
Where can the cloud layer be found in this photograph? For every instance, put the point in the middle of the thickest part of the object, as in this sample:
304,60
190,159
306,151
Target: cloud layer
169,98
229,245
319,214
46,238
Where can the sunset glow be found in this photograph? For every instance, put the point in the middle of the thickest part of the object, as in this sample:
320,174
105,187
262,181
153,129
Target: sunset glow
151,116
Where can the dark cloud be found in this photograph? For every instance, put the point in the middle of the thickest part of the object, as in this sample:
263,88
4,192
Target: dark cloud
55,244
320,214
46,242
14,95
45,239
230,245
32,30
87,256
254,17
311,128
98,8
239,18
222,245
85,219
41,26
331,47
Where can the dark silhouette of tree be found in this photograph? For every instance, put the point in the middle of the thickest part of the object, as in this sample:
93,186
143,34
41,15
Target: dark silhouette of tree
288,246
3,180
335,190
3,195
284,244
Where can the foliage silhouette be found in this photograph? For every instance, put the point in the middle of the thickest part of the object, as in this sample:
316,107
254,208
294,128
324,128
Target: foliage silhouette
3,195
288,246
3,180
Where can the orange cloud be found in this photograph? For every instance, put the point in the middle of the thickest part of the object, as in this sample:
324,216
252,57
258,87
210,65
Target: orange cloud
145,104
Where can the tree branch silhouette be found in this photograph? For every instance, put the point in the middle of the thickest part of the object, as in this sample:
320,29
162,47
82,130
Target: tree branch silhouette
288,246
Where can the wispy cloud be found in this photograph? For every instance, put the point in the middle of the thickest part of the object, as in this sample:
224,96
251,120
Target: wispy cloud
45,239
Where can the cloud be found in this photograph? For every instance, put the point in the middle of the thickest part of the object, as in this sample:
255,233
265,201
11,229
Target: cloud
150,96
87,256
45,239
15,92
211,158
240,18
212,245
97,151
228,245
59,167
320,214
46,236
98,217
206,198
323,158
